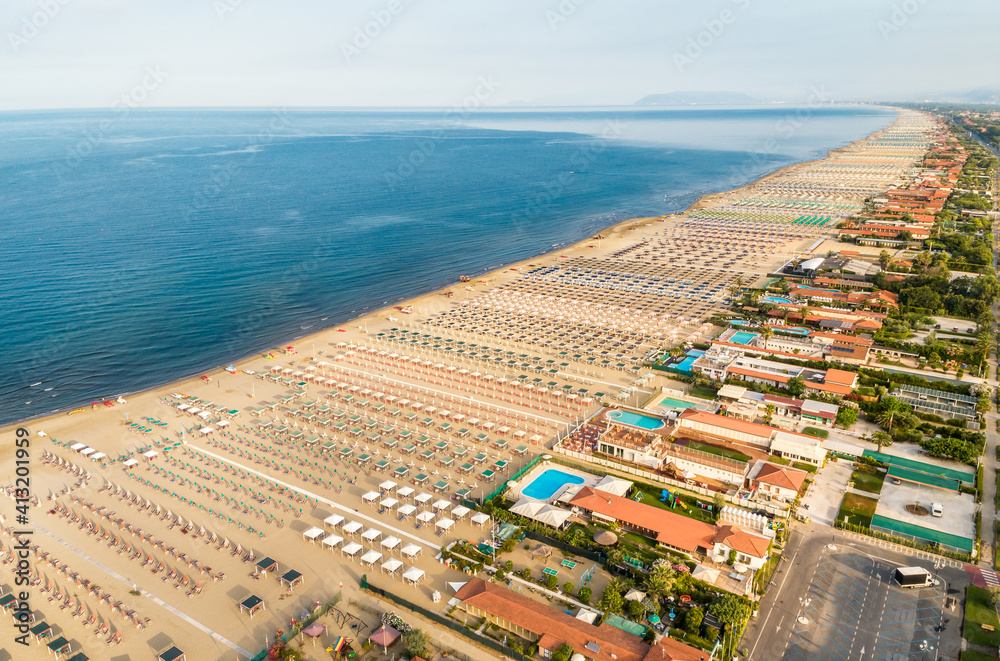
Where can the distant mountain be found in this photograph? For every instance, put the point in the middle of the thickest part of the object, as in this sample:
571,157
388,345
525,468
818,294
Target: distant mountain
981,95
696,99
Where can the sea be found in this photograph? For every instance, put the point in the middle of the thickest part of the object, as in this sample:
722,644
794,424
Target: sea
139,246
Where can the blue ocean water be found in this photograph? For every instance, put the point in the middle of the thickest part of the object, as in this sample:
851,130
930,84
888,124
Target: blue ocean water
142,246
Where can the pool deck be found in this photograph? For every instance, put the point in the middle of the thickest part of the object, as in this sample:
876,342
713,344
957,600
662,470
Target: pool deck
589,480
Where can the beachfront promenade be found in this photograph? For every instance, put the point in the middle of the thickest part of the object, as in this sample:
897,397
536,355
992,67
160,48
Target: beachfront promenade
359,450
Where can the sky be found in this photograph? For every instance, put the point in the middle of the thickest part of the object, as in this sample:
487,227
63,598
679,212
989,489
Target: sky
96,53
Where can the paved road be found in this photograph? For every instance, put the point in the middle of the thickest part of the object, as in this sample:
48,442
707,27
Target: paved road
851,611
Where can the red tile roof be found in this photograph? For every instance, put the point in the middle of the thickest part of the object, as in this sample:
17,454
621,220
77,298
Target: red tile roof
727,423
782,476
841,377
742,541
672,529
743,371
669,649
556,626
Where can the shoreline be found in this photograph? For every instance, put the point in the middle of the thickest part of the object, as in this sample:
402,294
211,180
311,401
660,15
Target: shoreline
373,313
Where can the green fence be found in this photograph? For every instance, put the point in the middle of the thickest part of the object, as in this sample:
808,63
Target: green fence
563,546
500,489
444,621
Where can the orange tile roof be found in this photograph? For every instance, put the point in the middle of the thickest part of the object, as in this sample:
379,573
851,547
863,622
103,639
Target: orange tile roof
741,541
668,649
835,388
782,476
540,618
841,377
727,423
743,371
672,529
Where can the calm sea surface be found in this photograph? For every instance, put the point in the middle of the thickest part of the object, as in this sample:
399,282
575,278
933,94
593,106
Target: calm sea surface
140,247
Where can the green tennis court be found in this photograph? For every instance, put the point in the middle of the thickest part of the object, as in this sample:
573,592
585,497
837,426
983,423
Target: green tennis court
914,465
921,534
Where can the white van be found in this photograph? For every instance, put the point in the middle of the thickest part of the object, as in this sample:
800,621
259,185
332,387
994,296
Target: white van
936,509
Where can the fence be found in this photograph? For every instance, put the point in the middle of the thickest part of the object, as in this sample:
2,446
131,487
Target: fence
563,546
444,621
318,612
503,483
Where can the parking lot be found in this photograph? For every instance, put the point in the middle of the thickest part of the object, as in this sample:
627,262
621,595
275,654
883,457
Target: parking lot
852,611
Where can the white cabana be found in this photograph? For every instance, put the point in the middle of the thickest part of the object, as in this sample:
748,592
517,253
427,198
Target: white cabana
388,485
86,452
333,520
371,558
371,535
76,447
460,512
333,541
425,517
404,492
390,543
222,423
411,551
480,519
422,499
406,510
131,462
351,549
442,505
370,497
388,503
413,575
313,534
149,454
542,512
206,430
352,528
444,524
97,456
391,566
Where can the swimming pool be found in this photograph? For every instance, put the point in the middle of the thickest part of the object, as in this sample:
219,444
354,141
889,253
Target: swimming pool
776,299
739,322
792,330
635,419
548,483
742,337
692,355
676,404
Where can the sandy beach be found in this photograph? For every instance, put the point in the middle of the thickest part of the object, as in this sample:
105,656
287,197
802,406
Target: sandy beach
453,390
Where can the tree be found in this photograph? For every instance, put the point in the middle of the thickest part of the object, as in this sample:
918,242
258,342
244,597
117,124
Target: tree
693,620
615,556
551,582
769,412
890,407
728,608
635,609
884,259
796,386
416,641
847,416
883,439
766,332
659,584
564,653
612,601
568,587
995,595
584,595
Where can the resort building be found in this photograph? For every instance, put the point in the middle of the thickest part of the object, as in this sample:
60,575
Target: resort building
783,483
798,447
819,412
709,426
537,510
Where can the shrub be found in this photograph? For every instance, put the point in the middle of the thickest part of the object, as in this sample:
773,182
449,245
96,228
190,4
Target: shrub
692,621
568,587
584,595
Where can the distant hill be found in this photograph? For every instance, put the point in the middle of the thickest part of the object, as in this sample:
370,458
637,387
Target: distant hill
696,99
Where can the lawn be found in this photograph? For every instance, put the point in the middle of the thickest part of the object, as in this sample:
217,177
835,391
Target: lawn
973,655
704,393
816,431
978,611
861,509
764,573
867,481
651,496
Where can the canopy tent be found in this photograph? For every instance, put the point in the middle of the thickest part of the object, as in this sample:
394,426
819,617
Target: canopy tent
444,524
411,551
388,503
413,575
352,528
404,492
406,510
370,497
388,485
460,512
422,499
392,565
707,574
389,543
425,517
333,541
480,519
371,535
351,549
333,520
442,504
371,558
541,512
313,534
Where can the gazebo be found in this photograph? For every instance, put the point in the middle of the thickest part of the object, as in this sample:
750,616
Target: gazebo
172,654
314,631
605,538
313,534
267,564
384,637
291,578
59,646
252,605
41,631
413,575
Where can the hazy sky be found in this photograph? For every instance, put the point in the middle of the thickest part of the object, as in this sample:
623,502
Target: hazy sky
88,53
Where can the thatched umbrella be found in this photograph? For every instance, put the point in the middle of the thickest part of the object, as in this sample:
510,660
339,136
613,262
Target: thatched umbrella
605,538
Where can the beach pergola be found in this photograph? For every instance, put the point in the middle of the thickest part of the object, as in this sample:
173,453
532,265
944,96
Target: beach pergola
392,566
370,497
333,541
388,485
406,510
41,631
605,538
79,656
333,520
410,551
371,535
313,534
174,653
351,550
384,636
291,578
369,559
59,647
266,564
252,605
413,576
480,519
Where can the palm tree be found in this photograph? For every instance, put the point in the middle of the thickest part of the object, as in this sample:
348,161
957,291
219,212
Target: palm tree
890,408
766,333
658,584
769,411
882,438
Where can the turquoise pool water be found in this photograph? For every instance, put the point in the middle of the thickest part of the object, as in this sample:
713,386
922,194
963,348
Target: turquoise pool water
740,322
776,299
548,483
792,330
692,355
636,419
671,403
742,337
830,291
